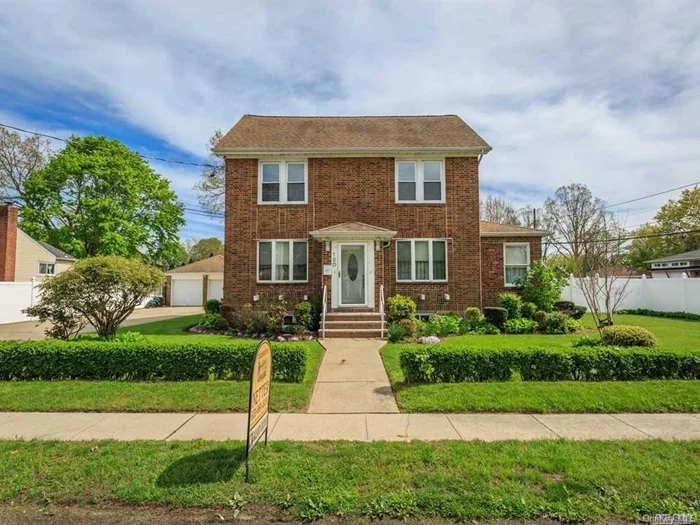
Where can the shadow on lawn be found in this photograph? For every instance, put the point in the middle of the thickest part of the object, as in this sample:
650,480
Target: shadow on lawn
212,466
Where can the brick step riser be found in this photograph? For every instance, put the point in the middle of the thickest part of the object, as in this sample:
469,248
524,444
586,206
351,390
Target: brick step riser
374,334
353,317
345,325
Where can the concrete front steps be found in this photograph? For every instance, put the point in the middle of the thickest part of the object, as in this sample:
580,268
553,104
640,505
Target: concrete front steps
353,324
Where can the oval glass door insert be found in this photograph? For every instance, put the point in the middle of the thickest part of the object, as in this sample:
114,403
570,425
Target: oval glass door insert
352,267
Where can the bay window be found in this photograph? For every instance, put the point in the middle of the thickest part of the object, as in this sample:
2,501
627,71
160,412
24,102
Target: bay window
282,261
421,260
420,181
283,182
516,261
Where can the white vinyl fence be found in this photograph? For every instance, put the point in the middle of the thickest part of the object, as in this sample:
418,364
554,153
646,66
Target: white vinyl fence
15,297
664,295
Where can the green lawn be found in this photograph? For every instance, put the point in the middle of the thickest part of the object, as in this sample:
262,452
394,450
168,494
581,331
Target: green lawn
161,396
462,480
544,397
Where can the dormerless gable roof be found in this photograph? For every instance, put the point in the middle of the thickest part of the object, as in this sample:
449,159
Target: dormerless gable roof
270,133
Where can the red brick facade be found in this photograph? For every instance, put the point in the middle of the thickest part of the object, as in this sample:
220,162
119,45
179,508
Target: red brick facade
492,272
356,190
8,242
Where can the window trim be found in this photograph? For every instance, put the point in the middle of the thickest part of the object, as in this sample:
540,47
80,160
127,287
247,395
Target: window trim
47,274
505,265
291,279
420,188
430,261
284,180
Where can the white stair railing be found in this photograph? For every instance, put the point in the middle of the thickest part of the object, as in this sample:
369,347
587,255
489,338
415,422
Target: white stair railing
381,307
324,309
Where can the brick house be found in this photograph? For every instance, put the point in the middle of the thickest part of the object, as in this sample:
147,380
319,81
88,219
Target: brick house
361,206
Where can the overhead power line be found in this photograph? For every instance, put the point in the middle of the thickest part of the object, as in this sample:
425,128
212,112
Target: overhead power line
631,238
148,157
652,195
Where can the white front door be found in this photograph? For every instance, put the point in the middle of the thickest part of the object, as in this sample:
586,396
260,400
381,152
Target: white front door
353,282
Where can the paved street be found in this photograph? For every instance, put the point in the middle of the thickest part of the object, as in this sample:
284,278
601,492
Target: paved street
35,331
351,427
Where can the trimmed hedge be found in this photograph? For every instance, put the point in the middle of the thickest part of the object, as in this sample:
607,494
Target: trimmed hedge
655,313
144,360
438,364
622,335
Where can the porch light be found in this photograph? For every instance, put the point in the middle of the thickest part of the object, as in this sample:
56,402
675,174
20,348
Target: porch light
421,297
306,298
280,297
256,298
446,297
377,246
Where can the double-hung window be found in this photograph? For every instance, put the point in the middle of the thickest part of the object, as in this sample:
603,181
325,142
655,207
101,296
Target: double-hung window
420,181
47,268
421,260
283,182
516,259
282,261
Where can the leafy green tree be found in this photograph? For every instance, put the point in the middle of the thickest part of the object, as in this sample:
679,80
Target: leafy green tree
204,248
104,290
97,197
542,285
664,237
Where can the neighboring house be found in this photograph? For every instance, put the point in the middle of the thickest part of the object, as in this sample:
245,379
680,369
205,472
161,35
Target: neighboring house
676,266
361,204
192,284
618,271
23,258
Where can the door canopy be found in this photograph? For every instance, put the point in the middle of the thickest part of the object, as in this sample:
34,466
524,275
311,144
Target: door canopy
355,231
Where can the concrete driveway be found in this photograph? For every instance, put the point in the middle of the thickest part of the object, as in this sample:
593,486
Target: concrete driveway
35,331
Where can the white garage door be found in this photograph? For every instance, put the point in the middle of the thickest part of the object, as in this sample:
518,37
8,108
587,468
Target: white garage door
216,289
187,292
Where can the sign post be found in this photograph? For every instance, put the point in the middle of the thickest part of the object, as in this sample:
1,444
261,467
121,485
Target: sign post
259,404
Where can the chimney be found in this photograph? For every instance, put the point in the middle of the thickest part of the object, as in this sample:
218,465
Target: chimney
8,241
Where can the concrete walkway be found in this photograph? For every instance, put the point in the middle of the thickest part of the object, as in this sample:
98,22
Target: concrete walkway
352,379
351,427
35,331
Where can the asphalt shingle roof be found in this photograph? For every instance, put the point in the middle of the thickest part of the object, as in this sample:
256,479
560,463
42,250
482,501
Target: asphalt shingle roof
685,256
59,254
214,264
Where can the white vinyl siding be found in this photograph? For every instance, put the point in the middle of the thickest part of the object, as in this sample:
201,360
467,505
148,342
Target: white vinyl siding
420,181
421,260
283,182
516,261
282,261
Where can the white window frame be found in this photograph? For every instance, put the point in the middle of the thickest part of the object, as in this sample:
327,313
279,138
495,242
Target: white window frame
291,279
53,264
505,266
430,261
283,181
419,181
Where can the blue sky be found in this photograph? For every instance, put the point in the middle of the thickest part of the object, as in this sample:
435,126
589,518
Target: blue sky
604,93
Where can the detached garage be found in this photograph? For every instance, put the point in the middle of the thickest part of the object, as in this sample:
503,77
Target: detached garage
194,283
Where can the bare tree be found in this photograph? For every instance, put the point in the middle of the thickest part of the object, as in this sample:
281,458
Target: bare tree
498,209
576,218
604,286
19,157
211,186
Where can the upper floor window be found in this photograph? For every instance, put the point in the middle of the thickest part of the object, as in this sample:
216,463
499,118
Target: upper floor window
420,181
47,268
283,182
421,260
282,261
516,261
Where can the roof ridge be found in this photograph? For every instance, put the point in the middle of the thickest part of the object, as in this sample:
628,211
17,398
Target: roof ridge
351,116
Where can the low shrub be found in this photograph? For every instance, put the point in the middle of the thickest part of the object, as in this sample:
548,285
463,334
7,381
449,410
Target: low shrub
438,364
512,303
528,310
257,322
570,309
144,360
578,312
621,335
448,364
395,333
488,329
586,341
214,321
541,320
564,306
400,307
276,312
557,323
655,313
442,325
128,337
304,315
473,319
410,327
520,326
212,306
496,316
573,325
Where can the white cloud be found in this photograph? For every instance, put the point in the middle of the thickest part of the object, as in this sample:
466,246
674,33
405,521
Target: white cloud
596,92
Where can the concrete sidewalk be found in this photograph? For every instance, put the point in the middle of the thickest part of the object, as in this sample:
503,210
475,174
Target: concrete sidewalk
352,379
351,427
